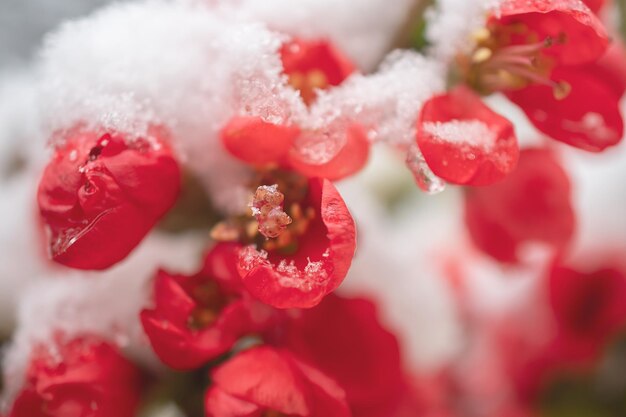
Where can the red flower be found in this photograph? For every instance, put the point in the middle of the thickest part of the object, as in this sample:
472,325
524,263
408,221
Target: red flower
101,194
589,307
577,36
463,141
315,258
310,65
536,52
272,382
260,143
197,318
533,204
326,336
84,377
314,64
590,115
587,311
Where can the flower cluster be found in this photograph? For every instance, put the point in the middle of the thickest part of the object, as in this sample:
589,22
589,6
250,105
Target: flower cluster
223,128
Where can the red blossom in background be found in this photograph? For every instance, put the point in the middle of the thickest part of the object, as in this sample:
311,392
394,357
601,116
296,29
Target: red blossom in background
533,204
540,48
315,261
314,64
589,308
272,382
84,377
199,317
344,339
578,35
102,193
570,326
465,142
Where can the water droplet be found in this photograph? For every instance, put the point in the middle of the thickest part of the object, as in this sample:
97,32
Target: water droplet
424,177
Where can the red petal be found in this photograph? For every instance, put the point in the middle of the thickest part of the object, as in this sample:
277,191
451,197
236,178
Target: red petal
589,307
182,348
170,324
99,196
579,36
532,204
221,264
611,68
256,141
275,380
350,159
84,376
595,5
465,142
169,292
588,118
320,263
326,336
301,55
219,404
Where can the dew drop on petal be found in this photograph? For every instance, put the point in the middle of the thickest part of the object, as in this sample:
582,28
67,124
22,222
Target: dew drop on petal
318,147
426,180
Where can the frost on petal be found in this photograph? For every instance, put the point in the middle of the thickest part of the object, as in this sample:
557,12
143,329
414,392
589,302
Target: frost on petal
82,376
115,70
386,103
350,159
267,207
465,142
300,276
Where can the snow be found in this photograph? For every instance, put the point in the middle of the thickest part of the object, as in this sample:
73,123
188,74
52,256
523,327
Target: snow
472,133
452,23
154,62
22,154
363,29
386,102
211,64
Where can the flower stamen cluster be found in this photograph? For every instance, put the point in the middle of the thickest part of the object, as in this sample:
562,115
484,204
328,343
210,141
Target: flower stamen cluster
267,208
498,64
